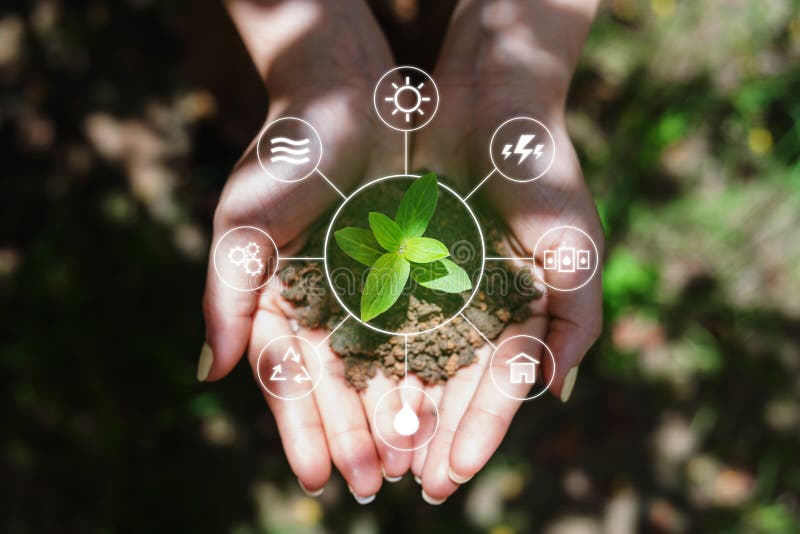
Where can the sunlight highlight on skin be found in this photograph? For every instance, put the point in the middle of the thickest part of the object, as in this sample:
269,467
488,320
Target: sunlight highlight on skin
287,23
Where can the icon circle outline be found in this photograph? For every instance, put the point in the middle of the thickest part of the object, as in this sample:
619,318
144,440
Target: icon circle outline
377,427
374,328
316,355
541,276
550,354
430,116
266,128
491,149
266,279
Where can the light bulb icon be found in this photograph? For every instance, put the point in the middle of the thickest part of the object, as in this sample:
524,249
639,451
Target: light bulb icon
406,421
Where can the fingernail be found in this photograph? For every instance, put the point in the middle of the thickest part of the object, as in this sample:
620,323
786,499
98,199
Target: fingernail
417,480
569,383
206,360
309,492
458,479
388,478
430,500
362,500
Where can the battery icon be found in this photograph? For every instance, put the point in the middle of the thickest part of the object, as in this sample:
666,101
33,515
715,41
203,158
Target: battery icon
567,260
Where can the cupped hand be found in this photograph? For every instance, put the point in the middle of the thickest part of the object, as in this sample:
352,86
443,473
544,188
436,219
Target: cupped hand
324,76
496,64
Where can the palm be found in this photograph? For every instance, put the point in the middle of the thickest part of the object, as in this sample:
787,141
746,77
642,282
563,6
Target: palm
474,416
353,148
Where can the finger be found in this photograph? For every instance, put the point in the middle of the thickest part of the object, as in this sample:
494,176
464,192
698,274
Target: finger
418,463
532,212
231,297
575,317
382,401
437,484
350,443
228,305
298,420
490,411
575,323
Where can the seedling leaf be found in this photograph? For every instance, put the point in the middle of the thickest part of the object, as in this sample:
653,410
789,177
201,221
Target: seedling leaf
423,250
442,275
359,244
385,283
386,231
417,206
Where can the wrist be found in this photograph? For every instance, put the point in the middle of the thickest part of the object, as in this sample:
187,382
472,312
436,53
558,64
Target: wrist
515,49
298,44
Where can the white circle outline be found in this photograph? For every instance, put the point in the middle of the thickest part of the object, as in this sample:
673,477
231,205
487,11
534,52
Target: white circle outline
375,98
491,152
596,258
267,279
549,383
375,328
270,125
377,428
316,354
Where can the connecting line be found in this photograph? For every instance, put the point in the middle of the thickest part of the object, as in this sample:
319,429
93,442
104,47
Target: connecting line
303,258
480,184
405,144
405,376
478,331
503,258
332,184
334,330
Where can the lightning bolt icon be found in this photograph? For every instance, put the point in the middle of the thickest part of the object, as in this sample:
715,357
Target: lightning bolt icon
522,148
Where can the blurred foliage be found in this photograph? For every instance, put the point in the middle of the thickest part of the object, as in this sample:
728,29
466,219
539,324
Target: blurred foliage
118,128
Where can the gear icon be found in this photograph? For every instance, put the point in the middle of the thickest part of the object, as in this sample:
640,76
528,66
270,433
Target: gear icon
253,266
238,255
252,249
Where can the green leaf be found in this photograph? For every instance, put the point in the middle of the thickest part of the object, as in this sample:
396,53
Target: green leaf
386,231
417,206
442,275
385,283
423,250
359,244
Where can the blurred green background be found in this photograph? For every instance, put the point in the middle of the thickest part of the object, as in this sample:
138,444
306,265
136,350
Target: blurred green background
119,122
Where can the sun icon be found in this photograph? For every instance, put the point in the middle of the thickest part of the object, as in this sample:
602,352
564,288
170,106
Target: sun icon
408,99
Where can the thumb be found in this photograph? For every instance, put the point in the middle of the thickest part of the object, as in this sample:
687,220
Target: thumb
241,264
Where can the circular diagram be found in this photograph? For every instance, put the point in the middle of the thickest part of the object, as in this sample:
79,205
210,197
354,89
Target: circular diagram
383,235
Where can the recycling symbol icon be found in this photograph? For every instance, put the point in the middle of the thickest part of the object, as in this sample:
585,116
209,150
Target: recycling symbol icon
290,360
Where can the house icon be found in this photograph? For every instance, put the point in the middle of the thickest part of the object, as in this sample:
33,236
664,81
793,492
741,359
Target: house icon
522,369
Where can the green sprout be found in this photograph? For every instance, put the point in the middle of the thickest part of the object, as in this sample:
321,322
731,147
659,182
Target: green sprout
395,250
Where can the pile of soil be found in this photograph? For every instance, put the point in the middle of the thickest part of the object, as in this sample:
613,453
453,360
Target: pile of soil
502,297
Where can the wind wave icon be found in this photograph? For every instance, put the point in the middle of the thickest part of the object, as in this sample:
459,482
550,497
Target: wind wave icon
296,156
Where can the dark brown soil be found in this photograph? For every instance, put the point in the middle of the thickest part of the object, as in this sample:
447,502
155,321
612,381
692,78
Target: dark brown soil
502,298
